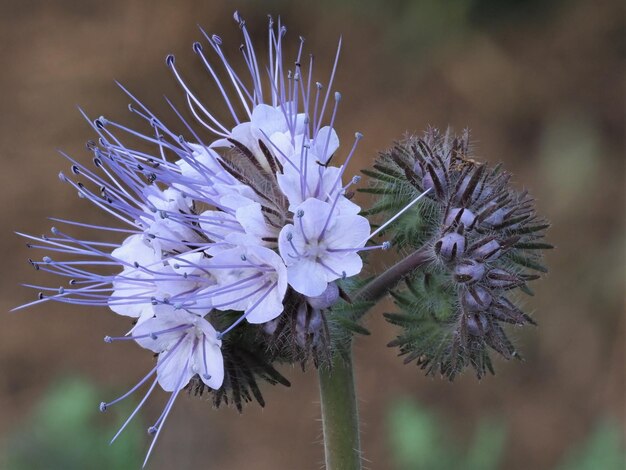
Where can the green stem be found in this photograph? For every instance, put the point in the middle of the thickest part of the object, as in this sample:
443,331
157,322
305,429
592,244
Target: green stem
340,417
378,287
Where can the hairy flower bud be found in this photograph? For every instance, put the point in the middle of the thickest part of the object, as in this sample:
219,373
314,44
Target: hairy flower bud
450,247
469,271
484,237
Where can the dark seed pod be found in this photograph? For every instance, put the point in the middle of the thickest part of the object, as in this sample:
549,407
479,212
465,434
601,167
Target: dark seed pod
450,247
477,325
460,215
501,279
476,299
469,271
486,249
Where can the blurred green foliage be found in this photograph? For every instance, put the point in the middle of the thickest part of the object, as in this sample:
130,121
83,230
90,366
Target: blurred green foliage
420,440
603,449
67,432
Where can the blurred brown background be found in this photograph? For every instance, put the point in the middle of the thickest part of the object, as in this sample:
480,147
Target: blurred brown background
539,83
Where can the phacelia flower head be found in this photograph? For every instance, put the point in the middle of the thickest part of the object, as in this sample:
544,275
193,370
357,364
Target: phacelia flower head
483,241
220,233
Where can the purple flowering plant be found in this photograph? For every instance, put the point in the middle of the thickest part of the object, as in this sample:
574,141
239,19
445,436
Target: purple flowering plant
239,248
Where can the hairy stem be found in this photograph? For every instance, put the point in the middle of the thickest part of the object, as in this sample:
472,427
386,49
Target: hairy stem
340,418
340,415
378,287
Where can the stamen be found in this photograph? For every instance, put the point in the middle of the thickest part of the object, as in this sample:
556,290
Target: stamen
328,88
383,246
402,211
132,415
166,412
153,335
293,247
104,406
299,215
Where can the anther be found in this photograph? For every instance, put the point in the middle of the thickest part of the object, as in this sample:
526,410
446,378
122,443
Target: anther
103,407
386,245
75,169
108,339
169,60
300,213
197,47
358,135
356,179
243,258
62,177
337,96
289,236
47,259
40,296
217,40
206,376
54,230
319,85
152,430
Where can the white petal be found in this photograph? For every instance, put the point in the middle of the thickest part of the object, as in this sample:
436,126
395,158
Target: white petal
268,119
328,140
349,231
175,366
290,182
351,264
165,319
253,222
281,146
218,225
307,277
212,363
242,133
346,207
315,216
135,249
269,308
